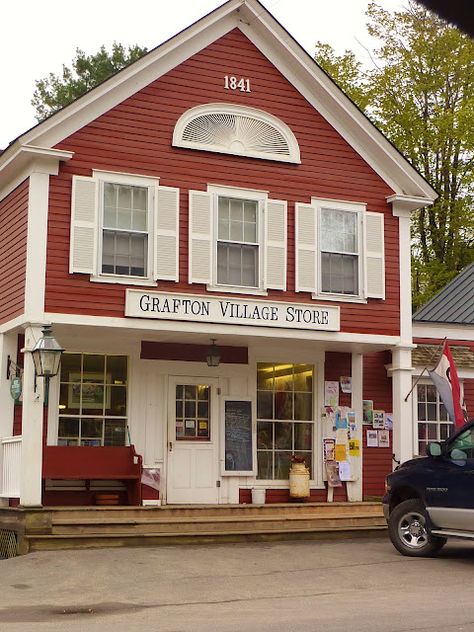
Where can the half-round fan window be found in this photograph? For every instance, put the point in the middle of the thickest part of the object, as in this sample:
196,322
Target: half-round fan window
236,130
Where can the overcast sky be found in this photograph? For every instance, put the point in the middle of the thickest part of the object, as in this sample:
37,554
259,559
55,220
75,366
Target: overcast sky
37,37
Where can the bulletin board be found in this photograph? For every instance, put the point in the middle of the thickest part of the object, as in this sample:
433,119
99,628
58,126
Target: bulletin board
237,437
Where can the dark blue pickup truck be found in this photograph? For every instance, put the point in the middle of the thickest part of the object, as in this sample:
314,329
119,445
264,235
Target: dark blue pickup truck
430,499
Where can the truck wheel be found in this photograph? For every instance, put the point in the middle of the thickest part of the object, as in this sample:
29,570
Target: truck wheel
407,527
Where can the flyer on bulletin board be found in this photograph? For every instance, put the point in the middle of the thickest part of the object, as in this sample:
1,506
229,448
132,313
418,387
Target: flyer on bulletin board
331,394
354,447
367,411
340,452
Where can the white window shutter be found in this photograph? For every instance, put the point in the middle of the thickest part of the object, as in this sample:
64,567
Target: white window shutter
305,248
166,246
374,256
200,237
84,226
275,244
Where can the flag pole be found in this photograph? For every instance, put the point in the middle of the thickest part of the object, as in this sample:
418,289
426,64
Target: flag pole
433,355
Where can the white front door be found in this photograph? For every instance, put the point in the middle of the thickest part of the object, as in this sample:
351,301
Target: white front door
193,455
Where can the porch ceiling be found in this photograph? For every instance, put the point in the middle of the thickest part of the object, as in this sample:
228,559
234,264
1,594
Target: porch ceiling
78,337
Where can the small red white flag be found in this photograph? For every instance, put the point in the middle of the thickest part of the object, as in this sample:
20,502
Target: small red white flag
445,378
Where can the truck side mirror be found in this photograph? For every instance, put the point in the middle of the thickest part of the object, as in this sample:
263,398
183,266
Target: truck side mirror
434,449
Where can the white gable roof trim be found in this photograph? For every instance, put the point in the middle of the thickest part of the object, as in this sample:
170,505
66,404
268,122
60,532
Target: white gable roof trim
287,56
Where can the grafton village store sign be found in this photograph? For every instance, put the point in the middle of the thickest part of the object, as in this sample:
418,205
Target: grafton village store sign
231,311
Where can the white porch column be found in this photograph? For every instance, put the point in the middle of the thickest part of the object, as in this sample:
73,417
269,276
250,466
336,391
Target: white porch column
401,372
354,488
32,426
8,347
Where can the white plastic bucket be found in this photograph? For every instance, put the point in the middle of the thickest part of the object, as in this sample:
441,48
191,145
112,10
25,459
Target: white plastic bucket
258,496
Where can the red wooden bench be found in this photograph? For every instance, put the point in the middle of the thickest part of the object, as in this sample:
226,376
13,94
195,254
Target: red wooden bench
104,463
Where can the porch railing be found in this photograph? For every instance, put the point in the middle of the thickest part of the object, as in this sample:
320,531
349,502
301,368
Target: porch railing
10,460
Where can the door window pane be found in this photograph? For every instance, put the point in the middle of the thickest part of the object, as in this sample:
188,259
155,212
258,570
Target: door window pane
192,412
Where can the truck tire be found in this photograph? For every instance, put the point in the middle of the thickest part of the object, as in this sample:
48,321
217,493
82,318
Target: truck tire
409,531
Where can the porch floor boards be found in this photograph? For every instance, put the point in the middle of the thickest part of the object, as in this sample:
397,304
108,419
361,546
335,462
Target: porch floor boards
96,527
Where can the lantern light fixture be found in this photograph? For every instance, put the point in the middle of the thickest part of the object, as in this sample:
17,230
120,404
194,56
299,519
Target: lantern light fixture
213,356
46,357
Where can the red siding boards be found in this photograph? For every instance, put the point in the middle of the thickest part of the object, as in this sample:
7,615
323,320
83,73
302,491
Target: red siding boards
377,386
13,231
135,137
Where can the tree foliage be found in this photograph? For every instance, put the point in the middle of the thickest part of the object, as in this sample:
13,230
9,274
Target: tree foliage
420,93
56,91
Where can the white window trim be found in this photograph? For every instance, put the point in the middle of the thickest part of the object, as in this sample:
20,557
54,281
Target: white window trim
340,205
237,110
246,194
149,182
416,421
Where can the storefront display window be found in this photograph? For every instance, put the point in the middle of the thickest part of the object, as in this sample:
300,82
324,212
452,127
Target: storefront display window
92,400
284,417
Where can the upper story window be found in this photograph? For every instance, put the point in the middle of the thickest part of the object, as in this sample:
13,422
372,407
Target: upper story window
339,248
124,229
237,240
238,130
339,251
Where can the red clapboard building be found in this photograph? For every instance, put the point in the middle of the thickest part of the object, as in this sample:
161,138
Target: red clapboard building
217,236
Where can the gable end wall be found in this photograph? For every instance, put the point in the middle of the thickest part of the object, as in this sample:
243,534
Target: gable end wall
135,137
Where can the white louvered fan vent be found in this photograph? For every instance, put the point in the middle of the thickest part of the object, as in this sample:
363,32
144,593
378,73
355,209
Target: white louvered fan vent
244,133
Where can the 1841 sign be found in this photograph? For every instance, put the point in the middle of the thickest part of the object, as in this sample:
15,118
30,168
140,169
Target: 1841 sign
216,309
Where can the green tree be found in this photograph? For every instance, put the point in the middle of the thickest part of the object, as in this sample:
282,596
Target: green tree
56,91
420,93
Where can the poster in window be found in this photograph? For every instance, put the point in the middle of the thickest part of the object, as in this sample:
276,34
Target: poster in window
90,393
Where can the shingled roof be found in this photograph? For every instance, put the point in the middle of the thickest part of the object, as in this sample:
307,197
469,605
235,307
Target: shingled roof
454,304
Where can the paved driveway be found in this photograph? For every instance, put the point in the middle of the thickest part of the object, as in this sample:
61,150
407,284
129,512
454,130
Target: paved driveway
301,586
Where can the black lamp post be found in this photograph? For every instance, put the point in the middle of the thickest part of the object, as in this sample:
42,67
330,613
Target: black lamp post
46,358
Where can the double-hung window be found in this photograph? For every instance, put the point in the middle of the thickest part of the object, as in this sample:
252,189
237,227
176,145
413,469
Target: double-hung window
125,230
238,248
339,251
237,240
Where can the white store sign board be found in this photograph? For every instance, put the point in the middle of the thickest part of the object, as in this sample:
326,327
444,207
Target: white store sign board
235,311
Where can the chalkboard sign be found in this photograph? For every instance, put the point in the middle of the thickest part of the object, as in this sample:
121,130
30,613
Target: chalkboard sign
238,453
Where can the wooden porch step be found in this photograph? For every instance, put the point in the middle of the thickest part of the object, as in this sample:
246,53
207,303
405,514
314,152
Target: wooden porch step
213,523
184,511
51,542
